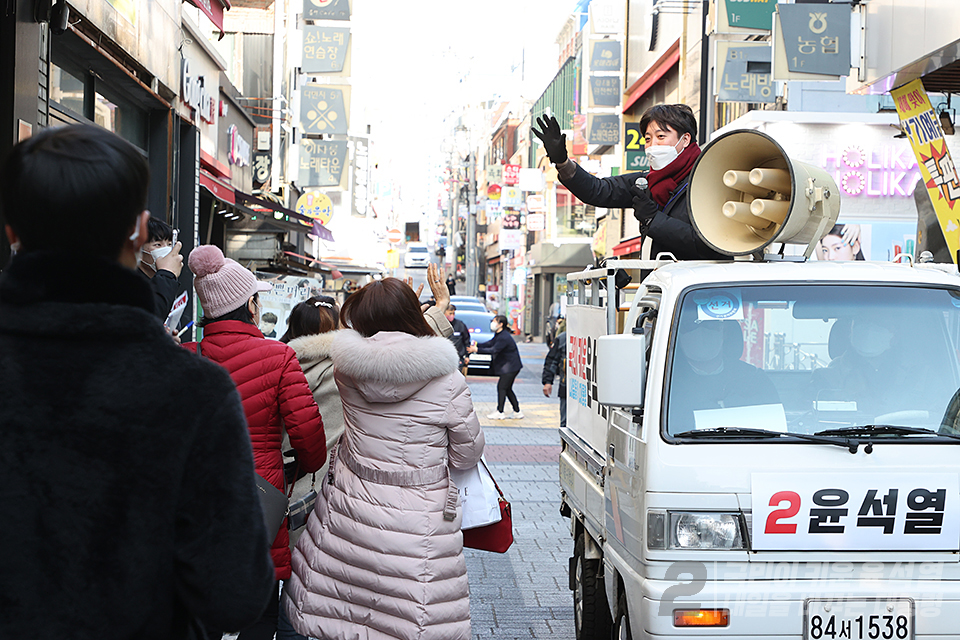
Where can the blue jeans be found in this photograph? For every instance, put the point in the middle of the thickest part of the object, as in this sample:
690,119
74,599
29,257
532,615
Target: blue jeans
285,630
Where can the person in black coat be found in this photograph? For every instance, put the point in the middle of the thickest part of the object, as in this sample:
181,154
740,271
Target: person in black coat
555,366
161,263
659,198
505,363
129,503
460,337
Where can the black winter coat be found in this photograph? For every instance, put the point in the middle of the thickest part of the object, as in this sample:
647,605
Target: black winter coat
555,364
460,337
503,348
128,500
669,228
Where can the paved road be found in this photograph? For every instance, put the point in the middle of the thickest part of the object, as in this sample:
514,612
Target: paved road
523,593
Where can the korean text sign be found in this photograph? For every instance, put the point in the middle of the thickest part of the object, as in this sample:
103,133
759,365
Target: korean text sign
321,163
919,121
855,511
817,37
325,49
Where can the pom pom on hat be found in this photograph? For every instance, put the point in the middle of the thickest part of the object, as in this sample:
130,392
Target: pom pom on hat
222,284
206,259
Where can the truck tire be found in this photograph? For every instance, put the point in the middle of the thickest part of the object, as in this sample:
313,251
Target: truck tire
621,626
591,617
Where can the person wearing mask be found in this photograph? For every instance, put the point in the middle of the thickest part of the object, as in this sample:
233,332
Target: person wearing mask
555,366
161,262
382,555
452,284
460,337
128,494
659,198
505,362
271,383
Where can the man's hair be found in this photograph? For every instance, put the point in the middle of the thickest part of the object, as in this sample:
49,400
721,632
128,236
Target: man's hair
385,305
72,186
318,314
504,322
269,317
158,231
678,117
451,307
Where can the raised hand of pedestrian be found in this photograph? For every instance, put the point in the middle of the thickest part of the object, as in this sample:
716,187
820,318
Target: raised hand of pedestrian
553,140
437,285
173,261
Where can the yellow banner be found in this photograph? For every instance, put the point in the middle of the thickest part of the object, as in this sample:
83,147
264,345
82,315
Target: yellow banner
919,121
393,259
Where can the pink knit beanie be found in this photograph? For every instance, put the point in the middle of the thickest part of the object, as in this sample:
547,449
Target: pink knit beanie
222,284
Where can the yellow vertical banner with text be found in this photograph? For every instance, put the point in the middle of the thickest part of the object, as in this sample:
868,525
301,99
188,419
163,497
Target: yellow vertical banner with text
918,119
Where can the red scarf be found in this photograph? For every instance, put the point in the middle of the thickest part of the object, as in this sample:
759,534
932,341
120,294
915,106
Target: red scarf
662,183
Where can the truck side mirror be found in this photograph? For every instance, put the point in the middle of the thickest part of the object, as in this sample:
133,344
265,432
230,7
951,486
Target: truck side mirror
621,369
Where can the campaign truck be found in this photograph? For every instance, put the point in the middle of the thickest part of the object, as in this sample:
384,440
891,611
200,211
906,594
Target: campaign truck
767,447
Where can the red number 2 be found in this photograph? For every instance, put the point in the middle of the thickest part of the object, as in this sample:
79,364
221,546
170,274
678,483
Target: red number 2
772,525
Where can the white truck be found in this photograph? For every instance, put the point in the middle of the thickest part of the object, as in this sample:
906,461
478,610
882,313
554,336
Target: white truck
764,450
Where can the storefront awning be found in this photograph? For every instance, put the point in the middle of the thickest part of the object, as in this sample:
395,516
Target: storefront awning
265,205
219,189
628,246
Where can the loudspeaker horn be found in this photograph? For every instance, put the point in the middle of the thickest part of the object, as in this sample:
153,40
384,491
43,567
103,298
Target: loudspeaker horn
745,193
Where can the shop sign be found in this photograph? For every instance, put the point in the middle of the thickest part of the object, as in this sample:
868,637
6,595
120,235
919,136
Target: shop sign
326,9
262,163
869,171
511,174
531,180
816,37
510,239
605,91
315,205
634,146
606,56
535,203
751,14
324,49
239,154
322,110
603,129
511,197
510,220
196,94
919,121
493,192
495,173
321,162
536,222
743,73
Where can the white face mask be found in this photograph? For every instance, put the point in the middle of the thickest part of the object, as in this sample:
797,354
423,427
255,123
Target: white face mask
661,155
157,254
870,340
494,326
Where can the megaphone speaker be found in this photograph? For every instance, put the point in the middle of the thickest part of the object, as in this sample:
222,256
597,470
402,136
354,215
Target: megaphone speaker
745,193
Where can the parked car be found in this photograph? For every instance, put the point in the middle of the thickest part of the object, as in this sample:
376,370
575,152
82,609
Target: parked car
478,323
468,303
417,255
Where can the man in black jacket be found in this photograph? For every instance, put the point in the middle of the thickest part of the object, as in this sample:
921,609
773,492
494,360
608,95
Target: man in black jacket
659,198
129,506
555,366
160,260
460,337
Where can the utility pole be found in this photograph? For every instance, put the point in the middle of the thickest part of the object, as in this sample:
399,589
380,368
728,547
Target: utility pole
471,255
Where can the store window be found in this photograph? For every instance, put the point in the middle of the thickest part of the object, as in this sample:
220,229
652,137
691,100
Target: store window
574,218
78,96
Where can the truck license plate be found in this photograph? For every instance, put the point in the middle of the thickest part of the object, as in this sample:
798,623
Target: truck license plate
859,619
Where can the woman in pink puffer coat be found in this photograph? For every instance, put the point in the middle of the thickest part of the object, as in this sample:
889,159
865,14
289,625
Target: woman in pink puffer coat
382,556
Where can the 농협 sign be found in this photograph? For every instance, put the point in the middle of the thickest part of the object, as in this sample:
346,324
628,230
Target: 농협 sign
743,72
603,129
855,511
321,162
816,37
322,110
324,49
922,126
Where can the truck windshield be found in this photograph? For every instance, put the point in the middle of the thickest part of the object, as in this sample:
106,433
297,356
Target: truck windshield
814,359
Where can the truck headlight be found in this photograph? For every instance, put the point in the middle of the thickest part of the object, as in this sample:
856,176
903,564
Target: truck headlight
693,530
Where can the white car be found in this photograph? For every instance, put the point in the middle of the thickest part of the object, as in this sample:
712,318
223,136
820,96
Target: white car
417,255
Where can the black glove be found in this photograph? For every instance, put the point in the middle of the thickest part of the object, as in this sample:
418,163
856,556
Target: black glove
553,141
644,208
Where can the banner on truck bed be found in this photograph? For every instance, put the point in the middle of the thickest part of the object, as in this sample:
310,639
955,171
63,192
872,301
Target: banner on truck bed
855,512
585,416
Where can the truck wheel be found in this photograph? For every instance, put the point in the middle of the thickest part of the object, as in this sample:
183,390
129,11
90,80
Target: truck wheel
621,626
591,616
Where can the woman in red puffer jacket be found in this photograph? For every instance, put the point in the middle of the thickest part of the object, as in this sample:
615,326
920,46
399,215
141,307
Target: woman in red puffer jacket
271,383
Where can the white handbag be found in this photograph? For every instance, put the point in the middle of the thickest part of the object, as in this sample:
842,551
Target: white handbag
479,498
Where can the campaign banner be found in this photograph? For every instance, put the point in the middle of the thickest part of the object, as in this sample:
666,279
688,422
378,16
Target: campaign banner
855,511
919,121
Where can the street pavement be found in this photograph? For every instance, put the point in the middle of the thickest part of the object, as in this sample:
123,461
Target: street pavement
523,593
